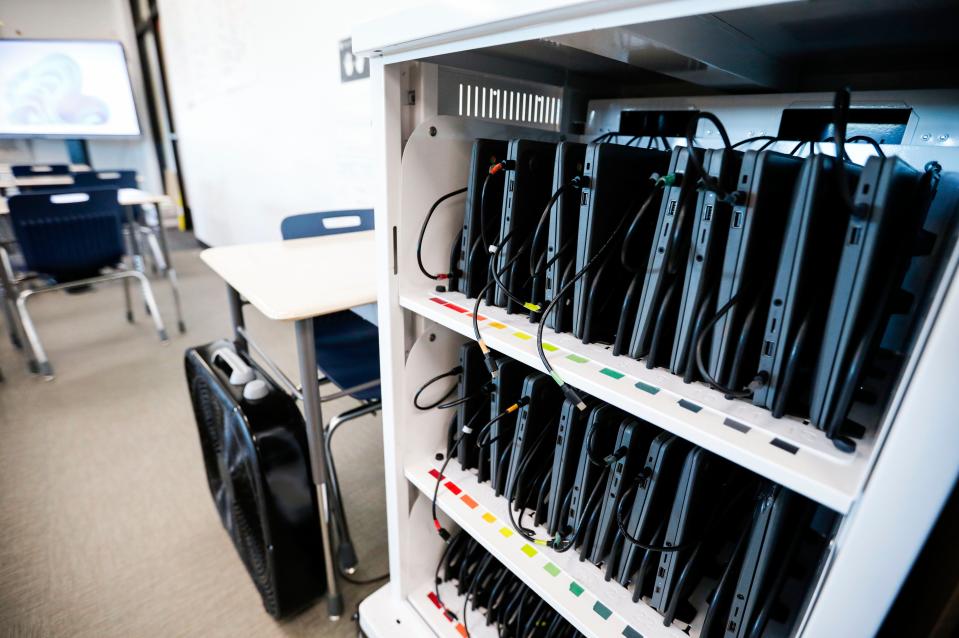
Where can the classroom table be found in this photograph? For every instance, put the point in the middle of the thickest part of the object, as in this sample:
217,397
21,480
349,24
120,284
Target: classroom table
296,280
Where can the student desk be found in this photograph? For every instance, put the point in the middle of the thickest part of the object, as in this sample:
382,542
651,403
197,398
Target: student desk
296,280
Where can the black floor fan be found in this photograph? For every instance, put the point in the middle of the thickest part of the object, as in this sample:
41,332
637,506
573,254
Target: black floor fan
255,452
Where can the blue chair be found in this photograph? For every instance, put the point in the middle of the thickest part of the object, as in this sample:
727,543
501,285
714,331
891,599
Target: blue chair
70,238
347,354
140,228
39,170
86,180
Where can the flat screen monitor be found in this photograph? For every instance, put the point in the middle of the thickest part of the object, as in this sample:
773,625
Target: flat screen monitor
65,88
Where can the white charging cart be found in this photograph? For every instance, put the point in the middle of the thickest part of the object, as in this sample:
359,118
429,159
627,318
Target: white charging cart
444,76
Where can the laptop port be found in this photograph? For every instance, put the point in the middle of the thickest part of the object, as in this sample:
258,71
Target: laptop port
738,217
855,235
707,213
768,348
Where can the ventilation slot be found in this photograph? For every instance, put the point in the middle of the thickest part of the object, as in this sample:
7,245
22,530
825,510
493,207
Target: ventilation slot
512,106
490,97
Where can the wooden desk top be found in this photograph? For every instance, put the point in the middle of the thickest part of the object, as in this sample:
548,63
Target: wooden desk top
300,278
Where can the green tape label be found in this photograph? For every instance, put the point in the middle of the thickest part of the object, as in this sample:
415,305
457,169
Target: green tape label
576,588
645,387
551,569
612,373
602,610
548,347
575,358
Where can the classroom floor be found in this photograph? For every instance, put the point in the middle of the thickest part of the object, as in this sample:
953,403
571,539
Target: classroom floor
107,527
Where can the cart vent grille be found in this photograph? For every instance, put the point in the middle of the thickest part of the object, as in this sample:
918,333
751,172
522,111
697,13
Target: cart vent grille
497,99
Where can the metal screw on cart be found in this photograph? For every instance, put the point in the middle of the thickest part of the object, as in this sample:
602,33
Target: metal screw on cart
432,131
432,336
943,137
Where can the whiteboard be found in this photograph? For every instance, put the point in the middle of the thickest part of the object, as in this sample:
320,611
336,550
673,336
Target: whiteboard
264,125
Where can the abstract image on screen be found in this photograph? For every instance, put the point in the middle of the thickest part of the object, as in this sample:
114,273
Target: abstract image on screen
65,88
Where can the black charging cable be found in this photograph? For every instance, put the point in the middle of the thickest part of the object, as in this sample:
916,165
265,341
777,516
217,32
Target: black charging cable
449,373
486,388
481,437
758,381
568,391
466,429
419,241
544,221
706,180
749,140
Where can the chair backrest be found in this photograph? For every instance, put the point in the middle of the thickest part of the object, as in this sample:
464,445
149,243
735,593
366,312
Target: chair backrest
39,170
105,179
332,222
68,235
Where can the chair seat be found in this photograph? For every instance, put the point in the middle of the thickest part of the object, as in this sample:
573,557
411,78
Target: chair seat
348,351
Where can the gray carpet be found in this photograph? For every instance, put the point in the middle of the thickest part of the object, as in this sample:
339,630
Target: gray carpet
106,524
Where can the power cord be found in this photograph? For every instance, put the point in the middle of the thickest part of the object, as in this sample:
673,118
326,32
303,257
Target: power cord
449,373
569,392
419,241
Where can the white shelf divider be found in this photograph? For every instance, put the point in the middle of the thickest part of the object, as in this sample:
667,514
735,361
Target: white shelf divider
575,589
787,450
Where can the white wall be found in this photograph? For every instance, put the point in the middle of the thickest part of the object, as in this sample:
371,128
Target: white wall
265,127
83,19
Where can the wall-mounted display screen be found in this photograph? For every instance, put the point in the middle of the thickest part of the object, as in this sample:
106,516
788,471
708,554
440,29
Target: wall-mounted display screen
65,88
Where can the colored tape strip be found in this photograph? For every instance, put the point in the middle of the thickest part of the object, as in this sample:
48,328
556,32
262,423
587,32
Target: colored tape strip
523,336
506,532
576,588
645,387
603,611
551,569
529,550
548,347
689,405
470,503
489,518
575,358
453,487
609,372
497,325
629,632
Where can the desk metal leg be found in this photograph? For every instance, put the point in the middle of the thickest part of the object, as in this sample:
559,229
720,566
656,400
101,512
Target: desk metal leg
169,270
309,380
136,249
236,318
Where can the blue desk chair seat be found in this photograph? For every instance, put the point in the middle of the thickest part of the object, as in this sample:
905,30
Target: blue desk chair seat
70,239
347,354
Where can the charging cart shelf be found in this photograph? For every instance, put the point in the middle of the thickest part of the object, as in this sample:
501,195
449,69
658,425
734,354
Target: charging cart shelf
423,600
784,450
746,61
576,589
